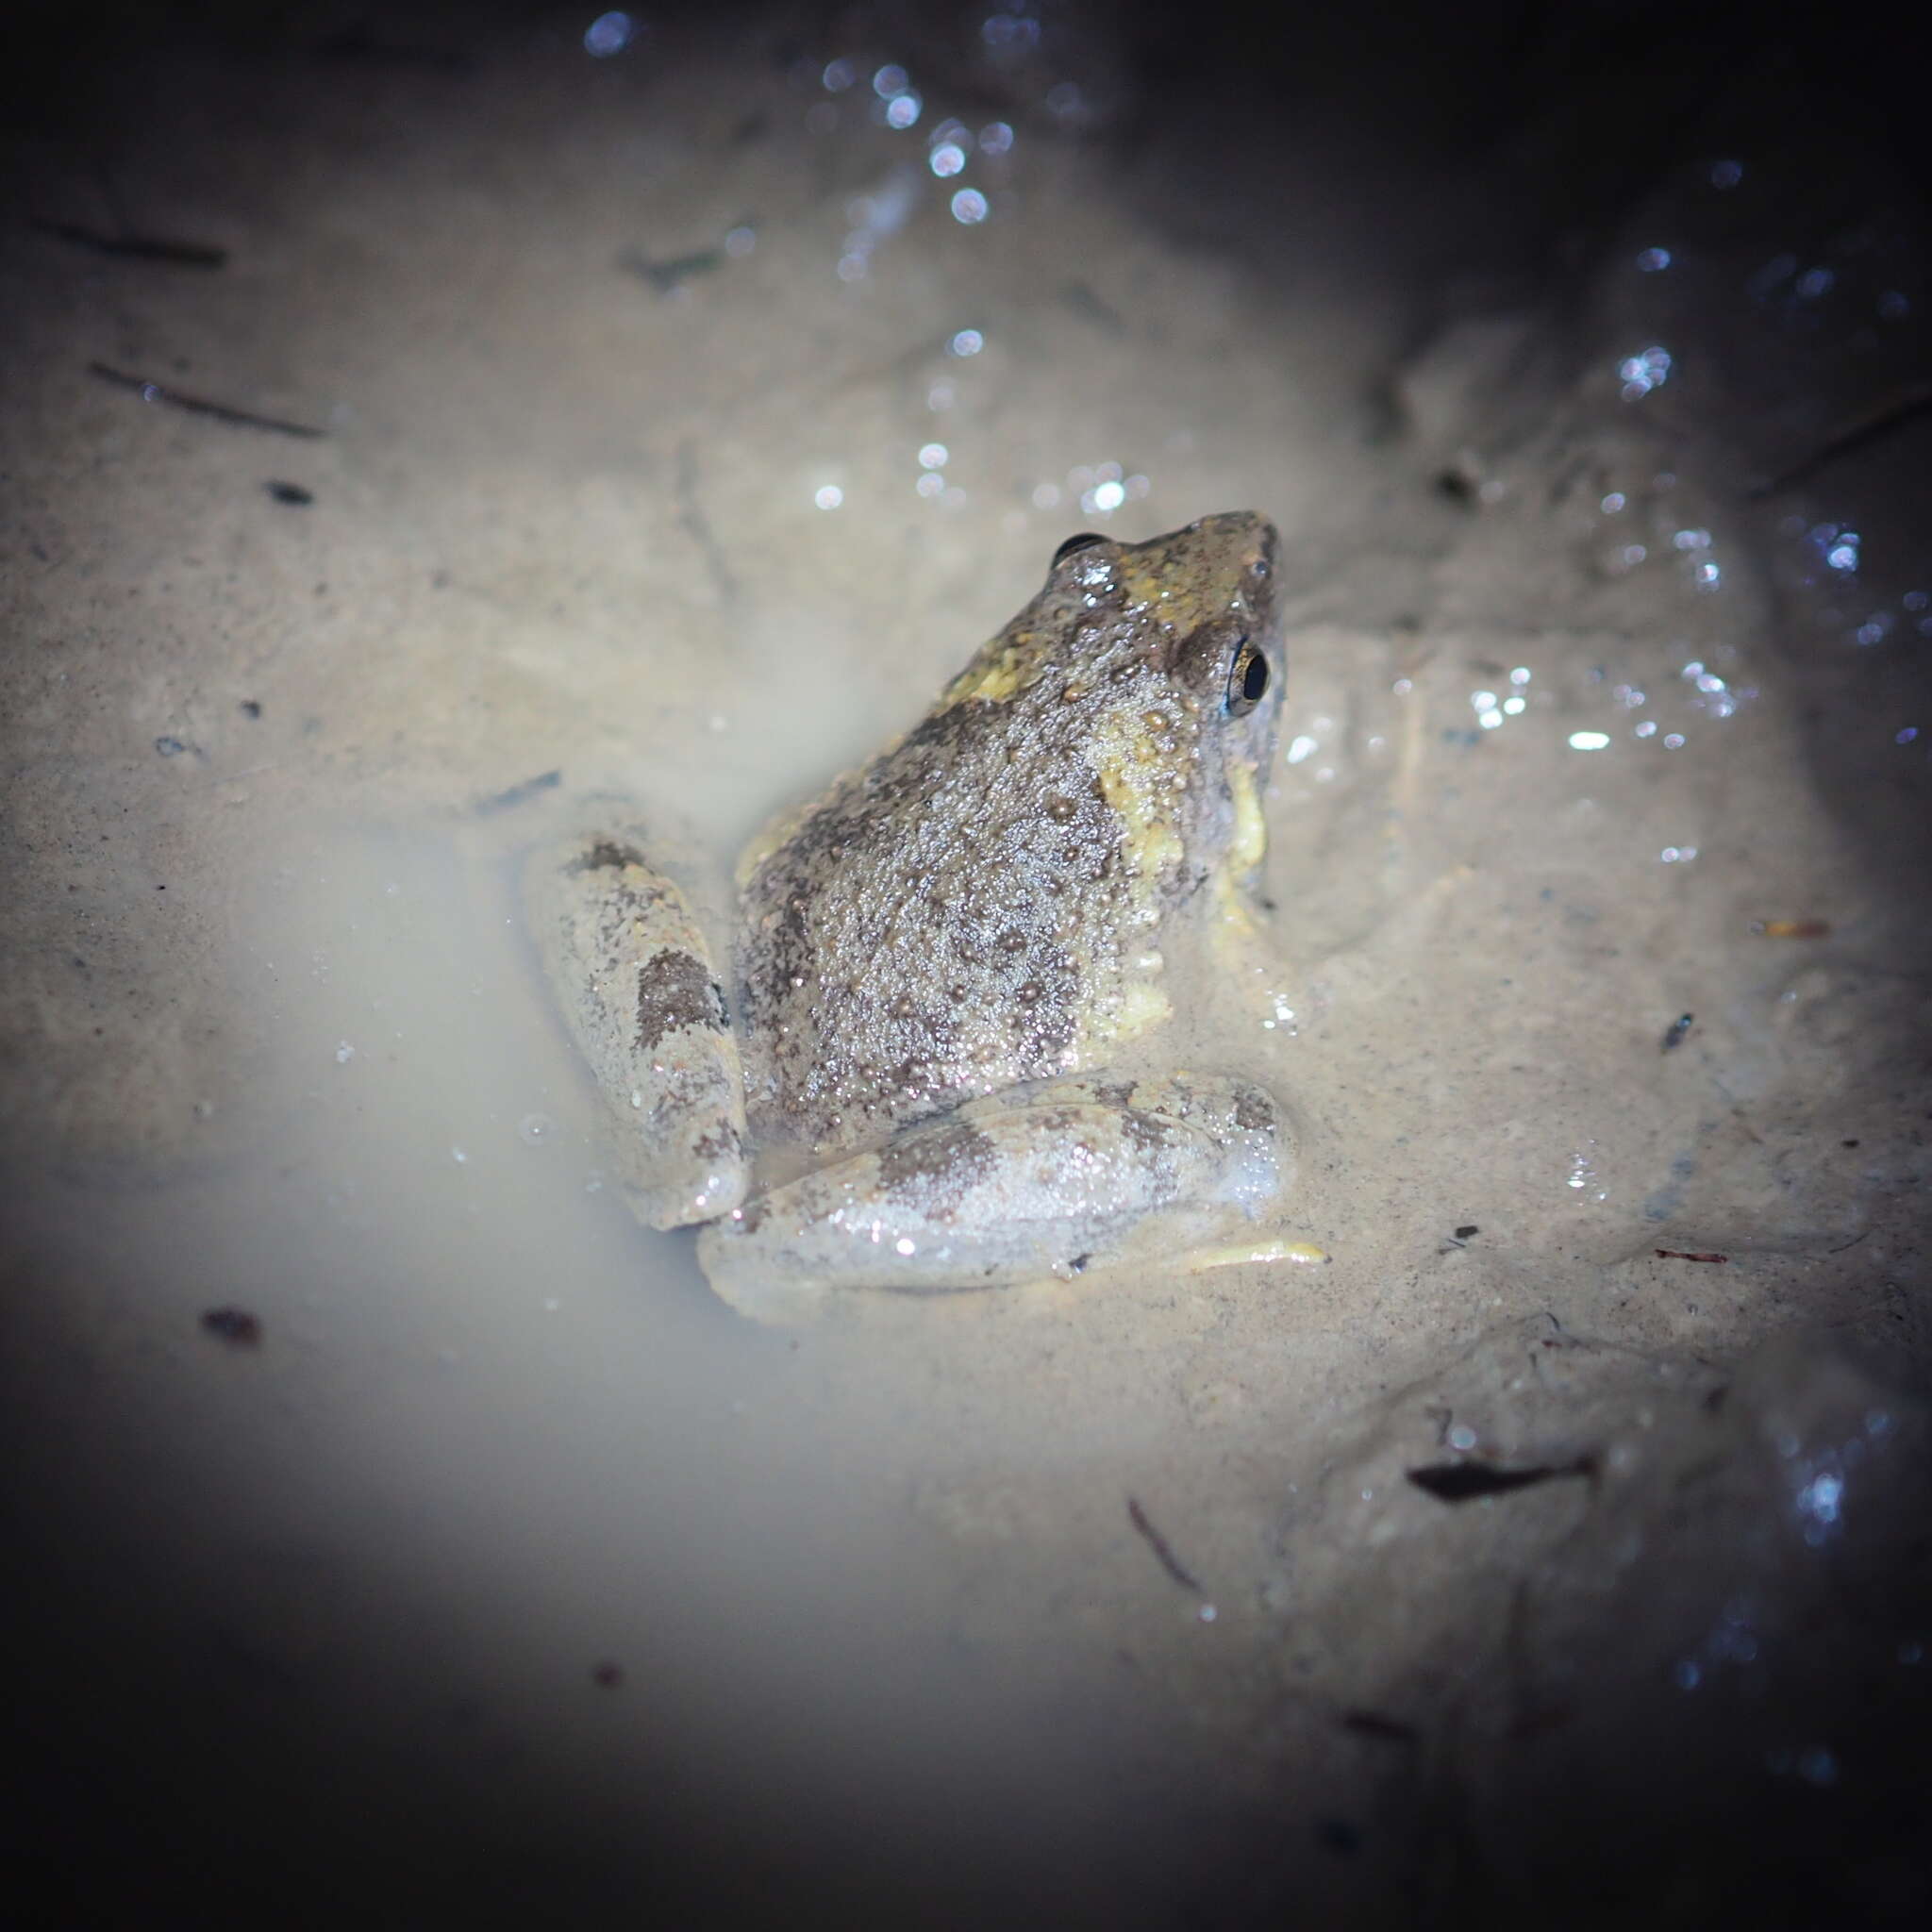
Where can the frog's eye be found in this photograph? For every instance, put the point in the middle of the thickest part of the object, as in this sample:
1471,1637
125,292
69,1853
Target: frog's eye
1085,541
1247,679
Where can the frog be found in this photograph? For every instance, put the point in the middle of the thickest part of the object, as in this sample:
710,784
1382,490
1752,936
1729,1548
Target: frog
940,1059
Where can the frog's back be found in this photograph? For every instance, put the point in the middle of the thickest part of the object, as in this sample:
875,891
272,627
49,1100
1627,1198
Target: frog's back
983,904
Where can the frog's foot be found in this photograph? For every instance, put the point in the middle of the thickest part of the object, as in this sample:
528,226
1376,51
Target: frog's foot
1062,1178
633,978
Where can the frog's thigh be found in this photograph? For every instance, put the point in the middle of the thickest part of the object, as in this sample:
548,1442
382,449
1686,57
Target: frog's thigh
634,978
1063,1178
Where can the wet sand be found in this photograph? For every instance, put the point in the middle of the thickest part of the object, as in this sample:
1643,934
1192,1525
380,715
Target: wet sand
679,431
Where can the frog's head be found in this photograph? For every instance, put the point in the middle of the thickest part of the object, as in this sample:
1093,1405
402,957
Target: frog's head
1210,592
1178,641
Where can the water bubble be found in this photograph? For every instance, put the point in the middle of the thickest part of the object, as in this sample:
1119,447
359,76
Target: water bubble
1065,102
969,208
536,1129
1647,370
345,1054
1002,31
608,34
1819,1498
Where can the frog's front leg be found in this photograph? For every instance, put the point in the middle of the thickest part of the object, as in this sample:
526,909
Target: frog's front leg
633,976
1062,1178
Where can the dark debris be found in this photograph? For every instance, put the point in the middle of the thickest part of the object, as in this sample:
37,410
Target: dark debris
236,1326
1469,1482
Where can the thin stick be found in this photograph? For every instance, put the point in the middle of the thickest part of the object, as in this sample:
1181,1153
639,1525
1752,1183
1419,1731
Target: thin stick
199,406
1161,1547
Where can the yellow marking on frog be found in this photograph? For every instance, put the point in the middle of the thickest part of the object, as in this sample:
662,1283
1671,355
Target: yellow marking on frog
1306,1253
1233,915
1138,1007
997,678
1142,1007
1136,780
1250,845
1168,589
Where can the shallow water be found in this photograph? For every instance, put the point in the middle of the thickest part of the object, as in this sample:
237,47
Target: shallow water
1123,1598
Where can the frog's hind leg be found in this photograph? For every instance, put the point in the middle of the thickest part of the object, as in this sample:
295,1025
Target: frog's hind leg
633,976
1065,1177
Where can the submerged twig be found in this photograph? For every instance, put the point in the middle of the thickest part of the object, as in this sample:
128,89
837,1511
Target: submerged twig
665,275
199,406
1910,400
519,795
1161,1547
138,247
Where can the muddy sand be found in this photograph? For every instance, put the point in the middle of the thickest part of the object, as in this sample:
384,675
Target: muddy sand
427,432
